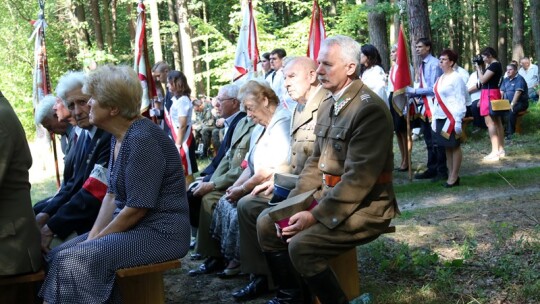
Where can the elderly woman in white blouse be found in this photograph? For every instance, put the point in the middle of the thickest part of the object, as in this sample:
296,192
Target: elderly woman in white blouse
268,154
448,112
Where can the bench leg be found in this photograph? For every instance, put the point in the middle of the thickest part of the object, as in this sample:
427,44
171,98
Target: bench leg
346,270
145,288
518,124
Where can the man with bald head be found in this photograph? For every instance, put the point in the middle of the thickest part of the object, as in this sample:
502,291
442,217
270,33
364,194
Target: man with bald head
300,80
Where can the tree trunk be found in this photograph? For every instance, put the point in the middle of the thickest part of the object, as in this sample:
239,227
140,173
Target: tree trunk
156,40
494,26
535,24
80,17
206,60
418,24
108,26
114,17
131,22
503,32
185,43
517,30
176,43
94,7
378,32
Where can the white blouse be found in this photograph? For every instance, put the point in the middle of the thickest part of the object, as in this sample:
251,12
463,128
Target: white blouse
375,79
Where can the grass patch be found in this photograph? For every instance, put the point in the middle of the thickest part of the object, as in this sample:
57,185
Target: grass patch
486,252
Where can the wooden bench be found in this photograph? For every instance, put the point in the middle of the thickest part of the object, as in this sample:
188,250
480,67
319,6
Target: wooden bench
138,285
144,284
464,123
21,289
520,115
345,267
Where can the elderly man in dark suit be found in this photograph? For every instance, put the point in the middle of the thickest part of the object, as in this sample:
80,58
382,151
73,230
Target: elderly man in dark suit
20,238
300,80
75,206
351,169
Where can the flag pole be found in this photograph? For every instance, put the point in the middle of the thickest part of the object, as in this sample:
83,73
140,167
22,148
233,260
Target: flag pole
42,80
142,62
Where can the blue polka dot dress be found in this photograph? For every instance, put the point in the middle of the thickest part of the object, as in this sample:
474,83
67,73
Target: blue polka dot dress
147,173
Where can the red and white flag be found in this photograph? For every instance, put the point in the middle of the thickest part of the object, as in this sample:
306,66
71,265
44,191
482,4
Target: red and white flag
247,52
142,62
317,33
402,75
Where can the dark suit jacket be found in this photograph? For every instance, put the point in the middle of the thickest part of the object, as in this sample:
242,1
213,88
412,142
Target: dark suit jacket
74,207
223,148
20,250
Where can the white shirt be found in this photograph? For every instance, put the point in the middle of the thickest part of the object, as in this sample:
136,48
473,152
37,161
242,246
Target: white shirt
181,107
530,75
472,82
375,79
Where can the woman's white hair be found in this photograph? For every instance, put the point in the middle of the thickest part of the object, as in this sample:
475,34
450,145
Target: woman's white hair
44,108
68,82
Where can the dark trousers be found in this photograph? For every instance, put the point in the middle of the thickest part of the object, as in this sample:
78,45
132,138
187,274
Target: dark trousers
478,120
512,117
436,156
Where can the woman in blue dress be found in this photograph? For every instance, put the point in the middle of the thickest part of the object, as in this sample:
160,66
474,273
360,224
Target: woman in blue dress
144,215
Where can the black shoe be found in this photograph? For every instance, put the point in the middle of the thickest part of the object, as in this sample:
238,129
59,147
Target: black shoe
402,169
256,288
212,264
326,287
447,185
425,175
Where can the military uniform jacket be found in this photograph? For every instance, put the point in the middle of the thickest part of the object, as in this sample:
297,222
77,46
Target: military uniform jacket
354,141
229,168
302,130
20,250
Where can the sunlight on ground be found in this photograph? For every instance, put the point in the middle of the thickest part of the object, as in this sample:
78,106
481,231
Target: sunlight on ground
42,172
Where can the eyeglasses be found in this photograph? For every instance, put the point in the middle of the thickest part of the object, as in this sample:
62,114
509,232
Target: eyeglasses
221,100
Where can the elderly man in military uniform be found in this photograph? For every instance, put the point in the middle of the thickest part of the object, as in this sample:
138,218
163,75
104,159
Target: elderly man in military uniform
301,82
350,169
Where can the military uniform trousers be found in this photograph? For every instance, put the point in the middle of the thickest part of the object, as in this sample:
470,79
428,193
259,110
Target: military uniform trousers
311,249
206,245
251,257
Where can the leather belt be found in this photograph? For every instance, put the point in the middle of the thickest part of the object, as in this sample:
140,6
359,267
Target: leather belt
332,180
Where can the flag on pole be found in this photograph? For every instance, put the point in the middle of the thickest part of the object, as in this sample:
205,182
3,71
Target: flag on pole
41,80
247,52
317,33
403,74
142,62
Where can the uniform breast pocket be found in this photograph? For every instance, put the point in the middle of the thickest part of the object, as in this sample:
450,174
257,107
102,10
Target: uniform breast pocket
337,143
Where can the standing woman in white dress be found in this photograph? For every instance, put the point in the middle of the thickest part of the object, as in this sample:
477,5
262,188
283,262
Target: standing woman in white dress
180,116
371,71
448,112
